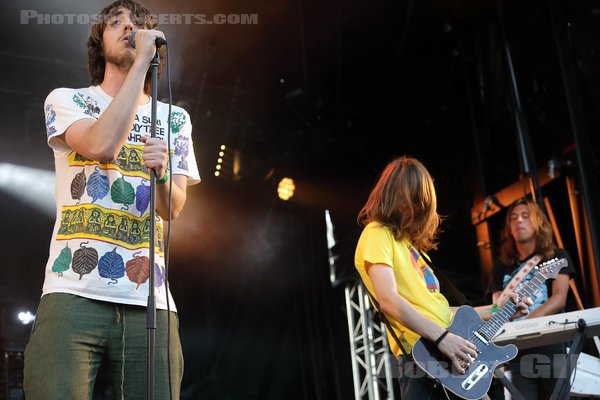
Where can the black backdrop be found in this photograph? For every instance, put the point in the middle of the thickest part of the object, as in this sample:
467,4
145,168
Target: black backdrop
327,93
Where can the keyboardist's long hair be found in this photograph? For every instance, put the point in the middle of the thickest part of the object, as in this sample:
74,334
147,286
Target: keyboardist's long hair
404,200
543,230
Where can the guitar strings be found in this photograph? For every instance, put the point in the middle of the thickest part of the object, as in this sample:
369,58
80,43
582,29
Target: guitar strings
488,329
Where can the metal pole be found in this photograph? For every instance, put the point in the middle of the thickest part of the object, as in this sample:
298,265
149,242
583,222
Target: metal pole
583,149
523,137
151,308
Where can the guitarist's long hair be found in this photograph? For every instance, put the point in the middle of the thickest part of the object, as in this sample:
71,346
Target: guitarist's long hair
404,200
543,231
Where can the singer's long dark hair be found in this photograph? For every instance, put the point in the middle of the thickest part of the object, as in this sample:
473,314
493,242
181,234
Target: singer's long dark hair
96,60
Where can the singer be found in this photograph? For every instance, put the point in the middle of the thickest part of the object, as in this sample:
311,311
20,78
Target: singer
92,313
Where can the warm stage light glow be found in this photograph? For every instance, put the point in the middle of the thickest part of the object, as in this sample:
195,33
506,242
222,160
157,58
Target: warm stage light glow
286,188
220,161
32,186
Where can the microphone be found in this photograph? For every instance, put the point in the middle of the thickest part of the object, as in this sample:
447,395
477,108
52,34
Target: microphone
131,40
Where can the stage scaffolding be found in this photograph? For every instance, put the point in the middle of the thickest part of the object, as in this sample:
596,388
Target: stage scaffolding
372,362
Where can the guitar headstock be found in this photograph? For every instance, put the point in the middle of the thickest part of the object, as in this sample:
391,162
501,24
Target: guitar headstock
551,268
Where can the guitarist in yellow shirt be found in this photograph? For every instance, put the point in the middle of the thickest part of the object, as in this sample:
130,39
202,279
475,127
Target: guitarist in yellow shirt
400,222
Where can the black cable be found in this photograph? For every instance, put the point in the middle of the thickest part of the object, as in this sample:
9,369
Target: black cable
572,377
168,237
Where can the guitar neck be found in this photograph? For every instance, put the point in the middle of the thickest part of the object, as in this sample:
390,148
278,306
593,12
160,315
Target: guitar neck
491,327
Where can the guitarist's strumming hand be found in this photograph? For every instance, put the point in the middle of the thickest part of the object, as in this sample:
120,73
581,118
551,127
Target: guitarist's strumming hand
459,350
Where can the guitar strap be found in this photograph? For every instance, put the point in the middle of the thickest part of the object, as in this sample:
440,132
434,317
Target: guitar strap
387,323
444,281
518,278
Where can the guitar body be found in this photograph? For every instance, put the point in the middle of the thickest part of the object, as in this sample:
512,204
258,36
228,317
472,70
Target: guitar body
477,379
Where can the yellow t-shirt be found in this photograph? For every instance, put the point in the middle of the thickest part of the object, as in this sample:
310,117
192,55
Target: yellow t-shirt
414,279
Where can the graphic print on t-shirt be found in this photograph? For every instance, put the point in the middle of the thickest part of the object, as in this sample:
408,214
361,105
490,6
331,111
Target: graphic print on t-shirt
89,105
89,221
128,162
50,119
421,266
182,143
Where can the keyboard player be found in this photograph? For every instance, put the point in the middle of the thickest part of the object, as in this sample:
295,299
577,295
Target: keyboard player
528,241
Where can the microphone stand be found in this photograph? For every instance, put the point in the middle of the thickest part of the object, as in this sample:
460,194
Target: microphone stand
151,309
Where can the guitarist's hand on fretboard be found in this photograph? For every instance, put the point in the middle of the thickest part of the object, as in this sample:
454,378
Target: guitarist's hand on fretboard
459,350
522,306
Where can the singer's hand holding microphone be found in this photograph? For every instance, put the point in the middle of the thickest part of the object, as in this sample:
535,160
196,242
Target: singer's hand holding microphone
146,41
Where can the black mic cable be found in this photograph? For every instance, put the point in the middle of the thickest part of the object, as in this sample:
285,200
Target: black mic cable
168,238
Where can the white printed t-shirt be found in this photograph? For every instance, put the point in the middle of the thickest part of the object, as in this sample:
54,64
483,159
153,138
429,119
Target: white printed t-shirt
100,241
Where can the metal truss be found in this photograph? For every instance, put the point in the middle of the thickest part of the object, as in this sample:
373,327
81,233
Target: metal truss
372,361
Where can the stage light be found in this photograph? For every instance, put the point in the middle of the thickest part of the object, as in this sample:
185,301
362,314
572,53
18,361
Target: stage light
218,167
26,317
331,242
286,188
17,181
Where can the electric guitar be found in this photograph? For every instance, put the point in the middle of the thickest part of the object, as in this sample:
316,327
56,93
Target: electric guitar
476,381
